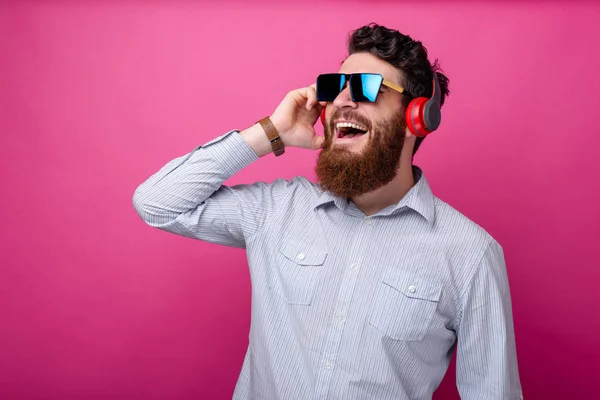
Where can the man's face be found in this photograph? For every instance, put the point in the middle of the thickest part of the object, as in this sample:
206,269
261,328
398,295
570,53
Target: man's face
352,164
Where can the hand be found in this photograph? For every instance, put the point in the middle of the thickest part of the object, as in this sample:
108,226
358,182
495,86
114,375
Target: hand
295,118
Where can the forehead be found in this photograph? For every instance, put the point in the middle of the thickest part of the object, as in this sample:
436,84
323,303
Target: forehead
366,62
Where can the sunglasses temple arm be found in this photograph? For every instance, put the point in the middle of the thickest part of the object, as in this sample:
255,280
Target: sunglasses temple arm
397,88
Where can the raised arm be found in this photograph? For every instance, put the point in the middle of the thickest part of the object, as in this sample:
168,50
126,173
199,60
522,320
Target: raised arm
187,195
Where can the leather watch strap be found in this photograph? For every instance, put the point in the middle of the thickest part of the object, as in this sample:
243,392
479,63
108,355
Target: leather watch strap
273,135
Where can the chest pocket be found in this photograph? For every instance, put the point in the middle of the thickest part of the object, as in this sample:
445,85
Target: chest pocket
296,271
404,305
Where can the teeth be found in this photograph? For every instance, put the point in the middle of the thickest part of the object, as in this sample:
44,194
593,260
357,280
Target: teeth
350,125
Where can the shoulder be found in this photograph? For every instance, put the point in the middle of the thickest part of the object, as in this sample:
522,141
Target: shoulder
465,238
469,250
449,217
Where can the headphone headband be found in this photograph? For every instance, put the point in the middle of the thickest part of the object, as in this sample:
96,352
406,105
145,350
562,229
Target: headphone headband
437,95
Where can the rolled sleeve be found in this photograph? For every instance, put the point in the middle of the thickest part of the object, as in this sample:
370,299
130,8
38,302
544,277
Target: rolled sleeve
187,196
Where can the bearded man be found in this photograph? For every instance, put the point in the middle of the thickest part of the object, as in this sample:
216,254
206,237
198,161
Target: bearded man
365,283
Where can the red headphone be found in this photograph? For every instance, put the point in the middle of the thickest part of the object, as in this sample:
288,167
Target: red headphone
423,115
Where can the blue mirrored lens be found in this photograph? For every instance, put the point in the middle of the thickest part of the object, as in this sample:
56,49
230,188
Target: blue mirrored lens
365,87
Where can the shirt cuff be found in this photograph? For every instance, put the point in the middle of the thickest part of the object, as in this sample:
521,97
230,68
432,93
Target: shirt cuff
231,151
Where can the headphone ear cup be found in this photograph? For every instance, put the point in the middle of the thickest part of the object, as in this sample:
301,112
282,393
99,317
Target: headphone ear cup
432,116
323,115
415,117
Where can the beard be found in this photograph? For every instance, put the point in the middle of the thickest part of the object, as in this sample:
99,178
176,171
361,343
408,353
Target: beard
347,174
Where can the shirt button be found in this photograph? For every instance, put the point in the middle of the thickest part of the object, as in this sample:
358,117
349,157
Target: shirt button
340,317
328,364
412,289
353,267
301,256
367,220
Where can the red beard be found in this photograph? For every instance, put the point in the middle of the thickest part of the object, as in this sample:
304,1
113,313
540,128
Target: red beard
348,174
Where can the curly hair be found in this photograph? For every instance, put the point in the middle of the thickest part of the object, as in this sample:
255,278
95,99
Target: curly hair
404,53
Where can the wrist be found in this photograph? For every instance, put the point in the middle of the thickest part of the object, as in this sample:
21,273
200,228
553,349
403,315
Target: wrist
272,134
277,124
257,140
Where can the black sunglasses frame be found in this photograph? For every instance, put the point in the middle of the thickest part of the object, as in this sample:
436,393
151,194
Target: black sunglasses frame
349,78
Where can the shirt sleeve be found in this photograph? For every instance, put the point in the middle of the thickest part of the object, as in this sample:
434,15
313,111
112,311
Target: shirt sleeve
187,196
486,364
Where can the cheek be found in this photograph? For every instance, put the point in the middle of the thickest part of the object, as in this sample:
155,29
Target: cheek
383,114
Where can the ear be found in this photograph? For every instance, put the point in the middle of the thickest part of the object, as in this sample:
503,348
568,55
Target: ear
408,134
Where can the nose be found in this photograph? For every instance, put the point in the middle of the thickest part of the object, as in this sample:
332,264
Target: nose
344,99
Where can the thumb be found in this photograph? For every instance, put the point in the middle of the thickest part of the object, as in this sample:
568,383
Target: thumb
317,142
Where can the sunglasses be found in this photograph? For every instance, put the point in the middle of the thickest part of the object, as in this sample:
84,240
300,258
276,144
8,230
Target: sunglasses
363,87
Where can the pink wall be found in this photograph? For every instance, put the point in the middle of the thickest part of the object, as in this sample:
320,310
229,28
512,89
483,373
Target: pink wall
95,96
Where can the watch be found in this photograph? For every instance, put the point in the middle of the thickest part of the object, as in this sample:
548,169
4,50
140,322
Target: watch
273,135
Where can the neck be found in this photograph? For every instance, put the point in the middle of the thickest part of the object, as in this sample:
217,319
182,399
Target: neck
387,195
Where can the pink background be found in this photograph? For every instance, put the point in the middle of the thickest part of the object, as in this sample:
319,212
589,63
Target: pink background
95,96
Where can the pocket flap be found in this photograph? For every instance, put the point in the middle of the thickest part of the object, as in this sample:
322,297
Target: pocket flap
413,285
302,253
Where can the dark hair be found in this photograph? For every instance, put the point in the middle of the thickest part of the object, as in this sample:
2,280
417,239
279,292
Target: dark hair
404,53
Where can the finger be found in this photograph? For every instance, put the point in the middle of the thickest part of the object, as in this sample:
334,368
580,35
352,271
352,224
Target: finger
314,86
315,113
311,95
299,96
317,142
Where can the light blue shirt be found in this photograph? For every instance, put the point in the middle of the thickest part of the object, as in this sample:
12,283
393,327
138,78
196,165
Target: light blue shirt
346,306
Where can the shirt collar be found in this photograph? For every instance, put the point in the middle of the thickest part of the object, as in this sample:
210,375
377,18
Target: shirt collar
419,198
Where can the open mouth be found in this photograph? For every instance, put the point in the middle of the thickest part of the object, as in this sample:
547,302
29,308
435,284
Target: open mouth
349,130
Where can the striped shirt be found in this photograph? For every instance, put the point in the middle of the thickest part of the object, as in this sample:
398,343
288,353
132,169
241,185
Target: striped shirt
347,306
